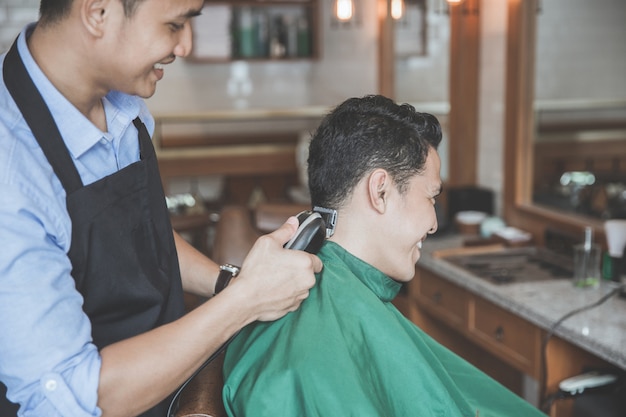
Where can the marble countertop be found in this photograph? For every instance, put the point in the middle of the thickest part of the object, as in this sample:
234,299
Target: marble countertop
600,330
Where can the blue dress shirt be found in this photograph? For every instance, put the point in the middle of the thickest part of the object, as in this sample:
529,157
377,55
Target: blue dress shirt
47,358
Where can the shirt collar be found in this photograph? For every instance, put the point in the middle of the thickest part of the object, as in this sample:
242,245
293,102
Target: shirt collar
380,284
78,132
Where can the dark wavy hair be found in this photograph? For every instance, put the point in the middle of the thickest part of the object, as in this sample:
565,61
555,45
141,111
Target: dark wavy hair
51,11
363,134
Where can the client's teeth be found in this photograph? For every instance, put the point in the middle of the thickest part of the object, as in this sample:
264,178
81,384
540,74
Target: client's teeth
419,244
158,66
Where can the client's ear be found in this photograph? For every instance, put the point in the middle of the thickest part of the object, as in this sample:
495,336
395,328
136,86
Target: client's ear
379,183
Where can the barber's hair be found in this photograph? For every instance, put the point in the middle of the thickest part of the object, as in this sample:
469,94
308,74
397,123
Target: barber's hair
363,134
52,11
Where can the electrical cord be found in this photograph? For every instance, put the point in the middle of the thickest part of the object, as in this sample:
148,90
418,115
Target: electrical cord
548,400
173,407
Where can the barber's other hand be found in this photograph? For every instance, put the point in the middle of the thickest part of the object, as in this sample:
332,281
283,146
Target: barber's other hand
275,280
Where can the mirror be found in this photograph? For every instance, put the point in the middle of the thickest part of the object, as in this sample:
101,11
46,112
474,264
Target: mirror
579,147
421,45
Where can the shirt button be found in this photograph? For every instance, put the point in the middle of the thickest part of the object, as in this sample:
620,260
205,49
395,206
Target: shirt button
51,385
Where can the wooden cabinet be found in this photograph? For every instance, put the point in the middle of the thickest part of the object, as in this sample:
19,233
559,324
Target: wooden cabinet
256,30
512,339
507,336
497,341
446,300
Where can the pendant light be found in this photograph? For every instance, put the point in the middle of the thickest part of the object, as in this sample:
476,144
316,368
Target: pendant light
344,10
397,9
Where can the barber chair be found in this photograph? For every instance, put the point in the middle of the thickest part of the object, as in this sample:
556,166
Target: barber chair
203,395
235,233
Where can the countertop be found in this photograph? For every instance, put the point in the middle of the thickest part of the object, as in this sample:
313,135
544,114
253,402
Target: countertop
600,330
297,112
245,114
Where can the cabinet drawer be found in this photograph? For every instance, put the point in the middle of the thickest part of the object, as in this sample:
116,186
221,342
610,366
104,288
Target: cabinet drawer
447,301
510,337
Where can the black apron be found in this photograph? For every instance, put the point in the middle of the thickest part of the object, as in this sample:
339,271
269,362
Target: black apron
123,256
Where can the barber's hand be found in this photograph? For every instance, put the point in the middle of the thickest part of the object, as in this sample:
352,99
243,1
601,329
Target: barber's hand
276,280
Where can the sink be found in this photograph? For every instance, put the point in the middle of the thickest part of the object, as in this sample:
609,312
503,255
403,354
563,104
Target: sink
515,265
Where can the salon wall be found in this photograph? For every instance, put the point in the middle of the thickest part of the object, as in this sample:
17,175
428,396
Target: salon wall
347,68
13,15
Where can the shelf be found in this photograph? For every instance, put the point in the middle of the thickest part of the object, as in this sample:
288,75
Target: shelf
256,31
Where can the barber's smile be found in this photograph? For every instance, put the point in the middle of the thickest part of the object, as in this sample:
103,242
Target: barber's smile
158,70
159,67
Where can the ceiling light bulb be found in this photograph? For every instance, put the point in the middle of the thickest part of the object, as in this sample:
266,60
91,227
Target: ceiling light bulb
397,9
344,9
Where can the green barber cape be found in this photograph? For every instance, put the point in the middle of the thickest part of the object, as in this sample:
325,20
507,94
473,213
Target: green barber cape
349,352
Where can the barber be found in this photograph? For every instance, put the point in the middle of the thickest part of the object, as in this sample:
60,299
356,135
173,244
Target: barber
92,276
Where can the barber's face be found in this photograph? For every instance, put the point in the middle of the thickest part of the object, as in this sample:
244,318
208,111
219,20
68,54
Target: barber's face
140,46
411,218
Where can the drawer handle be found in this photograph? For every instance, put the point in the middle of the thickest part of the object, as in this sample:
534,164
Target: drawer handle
499,333
437,297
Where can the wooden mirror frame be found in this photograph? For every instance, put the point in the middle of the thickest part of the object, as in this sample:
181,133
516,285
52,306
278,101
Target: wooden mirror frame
519,209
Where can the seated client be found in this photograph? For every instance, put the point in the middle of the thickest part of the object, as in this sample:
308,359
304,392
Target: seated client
348,351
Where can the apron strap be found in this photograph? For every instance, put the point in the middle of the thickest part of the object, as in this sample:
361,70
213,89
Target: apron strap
145,143
40,120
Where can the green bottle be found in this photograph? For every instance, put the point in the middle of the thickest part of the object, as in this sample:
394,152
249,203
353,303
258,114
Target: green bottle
304,37
246,36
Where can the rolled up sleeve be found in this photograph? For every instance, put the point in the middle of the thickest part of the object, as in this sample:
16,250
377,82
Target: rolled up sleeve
56,395
47,360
